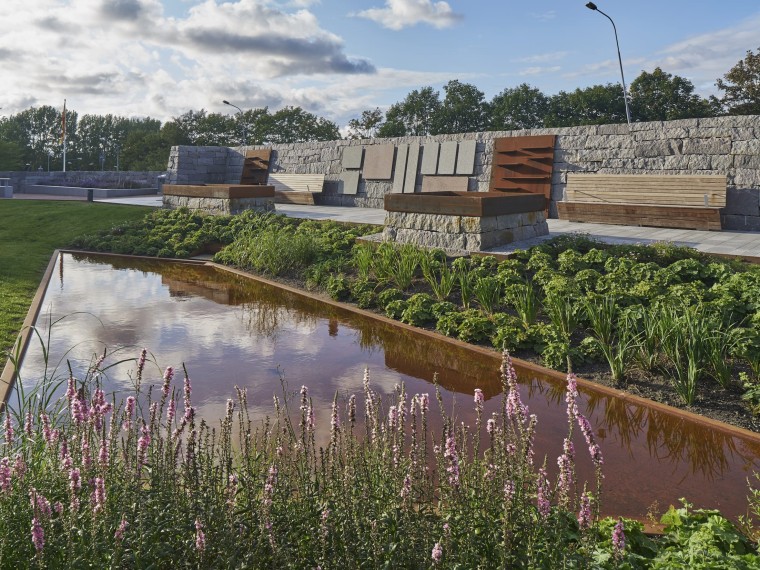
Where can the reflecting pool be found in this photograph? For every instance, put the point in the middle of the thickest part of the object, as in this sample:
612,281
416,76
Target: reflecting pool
230,331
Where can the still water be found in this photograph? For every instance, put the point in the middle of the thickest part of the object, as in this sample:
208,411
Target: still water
232,331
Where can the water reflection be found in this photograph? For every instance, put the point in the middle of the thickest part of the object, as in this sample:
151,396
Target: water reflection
230,331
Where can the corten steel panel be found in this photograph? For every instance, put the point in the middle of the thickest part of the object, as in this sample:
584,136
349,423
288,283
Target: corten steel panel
466,157
447,160
226,191
523,164
352,157
472,204
399,173
444,183
378,162
412,162
430,158
349,182
255,166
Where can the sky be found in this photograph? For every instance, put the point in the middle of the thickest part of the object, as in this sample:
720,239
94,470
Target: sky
336,58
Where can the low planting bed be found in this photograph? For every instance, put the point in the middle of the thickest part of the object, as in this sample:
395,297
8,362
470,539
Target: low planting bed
663,322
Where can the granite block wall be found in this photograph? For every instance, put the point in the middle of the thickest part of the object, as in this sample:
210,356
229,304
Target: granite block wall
21,179
728,146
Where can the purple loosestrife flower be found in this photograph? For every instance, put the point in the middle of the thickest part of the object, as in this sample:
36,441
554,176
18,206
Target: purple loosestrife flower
38,535
392,418
122,528
168,376
71,390
584,515
269,486
232,489
565,464
509,491
479,399
142,447
5,475
129,410
451,455
28,423
86,457
593,448
571,397
46,431
437,553
334,424
99,496
19,467
406,488
188,390
171,412
491,426
351,410
58,507
9,431
40,504
103,454
542,494
75,480
200,537
618,538
141,365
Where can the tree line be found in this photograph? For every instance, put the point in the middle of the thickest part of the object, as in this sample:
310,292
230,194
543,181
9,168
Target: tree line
32,138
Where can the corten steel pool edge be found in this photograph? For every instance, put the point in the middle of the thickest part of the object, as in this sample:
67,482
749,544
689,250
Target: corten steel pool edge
9,372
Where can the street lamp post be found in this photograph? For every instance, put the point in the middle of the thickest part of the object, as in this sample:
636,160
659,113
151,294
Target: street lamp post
592,6
245,134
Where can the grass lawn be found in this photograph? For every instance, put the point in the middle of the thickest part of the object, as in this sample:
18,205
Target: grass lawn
29,232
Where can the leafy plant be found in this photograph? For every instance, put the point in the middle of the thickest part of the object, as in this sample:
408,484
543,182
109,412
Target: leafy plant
419,310
614,333
523,298
475,326
437,273
488,293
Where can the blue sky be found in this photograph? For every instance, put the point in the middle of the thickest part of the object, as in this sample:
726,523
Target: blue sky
336,58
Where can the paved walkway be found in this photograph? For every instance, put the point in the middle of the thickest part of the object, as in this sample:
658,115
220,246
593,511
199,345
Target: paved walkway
745,244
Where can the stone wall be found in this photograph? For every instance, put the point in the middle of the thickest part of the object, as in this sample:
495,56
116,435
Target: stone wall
728,146
20,180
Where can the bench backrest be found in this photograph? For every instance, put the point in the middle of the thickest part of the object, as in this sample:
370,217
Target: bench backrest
676,190
297,182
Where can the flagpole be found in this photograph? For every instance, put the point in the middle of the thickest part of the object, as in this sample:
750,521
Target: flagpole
63,124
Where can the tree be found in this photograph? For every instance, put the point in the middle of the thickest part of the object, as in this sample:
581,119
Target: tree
10,156
367,126
293,124
208,129
660,96
413,116
742,86
521,107
464,110
149,150
37,131
595,105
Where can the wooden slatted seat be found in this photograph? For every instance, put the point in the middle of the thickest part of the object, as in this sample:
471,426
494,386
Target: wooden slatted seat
296,188
689,202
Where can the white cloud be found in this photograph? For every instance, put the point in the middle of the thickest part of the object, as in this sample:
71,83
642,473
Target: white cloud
543,57
399,14
548,15
539,70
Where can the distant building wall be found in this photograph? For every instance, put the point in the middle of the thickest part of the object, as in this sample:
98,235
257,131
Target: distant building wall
728,146
21,179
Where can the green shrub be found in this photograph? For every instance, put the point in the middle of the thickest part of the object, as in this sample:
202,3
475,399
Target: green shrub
419,310
475,327
387,295
337,287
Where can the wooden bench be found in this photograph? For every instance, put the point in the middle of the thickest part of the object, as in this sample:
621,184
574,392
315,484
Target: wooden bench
296,188
688,202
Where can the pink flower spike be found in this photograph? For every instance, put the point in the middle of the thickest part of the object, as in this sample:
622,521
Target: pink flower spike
200,536
38,535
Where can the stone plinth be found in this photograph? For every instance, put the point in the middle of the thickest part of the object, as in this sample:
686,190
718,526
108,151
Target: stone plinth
219,199
471,221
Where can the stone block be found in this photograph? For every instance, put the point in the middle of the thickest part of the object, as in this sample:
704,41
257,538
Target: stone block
740,223
412,162
352,157
707,146
677,162
445,183
447,159
430,158
399,172
466,157
349,182
751,148
746,178
742,201
698,162
747,161
378,162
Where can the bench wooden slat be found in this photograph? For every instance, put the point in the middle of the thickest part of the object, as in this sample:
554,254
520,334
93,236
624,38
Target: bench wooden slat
297,182
294,197
647,189
684,217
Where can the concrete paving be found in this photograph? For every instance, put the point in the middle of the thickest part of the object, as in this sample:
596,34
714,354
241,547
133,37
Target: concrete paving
744,244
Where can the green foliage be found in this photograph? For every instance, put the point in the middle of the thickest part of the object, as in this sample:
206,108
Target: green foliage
338,287
488,293
437,273
419,310
387,295
475,327
660,96
741,86
521,107
363,293
523,298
